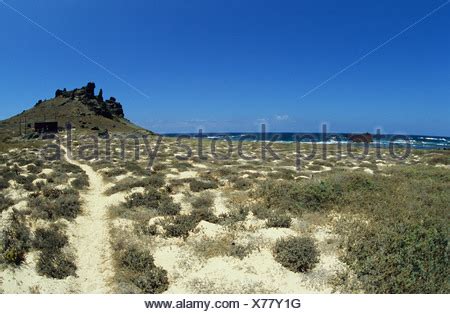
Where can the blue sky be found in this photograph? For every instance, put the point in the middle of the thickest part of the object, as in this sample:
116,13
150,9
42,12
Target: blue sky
230,65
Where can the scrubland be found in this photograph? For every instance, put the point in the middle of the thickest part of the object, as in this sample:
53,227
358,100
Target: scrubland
371,225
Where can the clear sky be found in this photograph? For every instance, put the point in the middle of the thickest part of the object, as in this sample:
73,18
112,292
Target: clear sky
227,65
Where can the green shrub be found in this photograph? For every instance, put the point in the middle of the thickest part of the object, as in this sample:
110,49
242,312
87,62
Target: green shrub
240,251
65,167
4,184
198,186
281,173
52,193
234,216
279,221
15,240
399,242
182,166
34,169
399,258
25,179
313,167
145,229
10,174
54,204
180,226
137,267
316,195
154,200
135,168
56,264
51,238
242,184
439,160
298,254
68,205
81,182
168,207
153,280
204,200
297,197
155,181
223,245
261,211
115,172
5,202
204,214
135,259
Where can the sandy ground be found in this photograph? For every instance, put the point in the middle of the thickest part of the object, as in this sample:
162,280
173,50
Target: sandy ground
91,236
89,240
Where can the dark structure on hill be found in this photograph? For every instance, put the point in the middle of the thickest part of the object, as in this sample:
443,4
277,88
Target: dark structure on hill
46,127
83,108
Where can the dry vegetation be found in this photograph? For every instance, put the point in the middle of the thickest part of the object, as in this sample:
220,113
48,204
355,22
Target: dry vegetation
210,226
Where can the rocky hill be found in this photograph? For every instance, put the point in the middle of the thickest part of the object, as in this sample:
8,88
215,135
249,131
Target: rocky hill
81,107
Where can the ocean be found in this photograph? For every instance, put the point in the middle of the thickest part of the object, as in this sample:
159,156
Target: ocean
382,140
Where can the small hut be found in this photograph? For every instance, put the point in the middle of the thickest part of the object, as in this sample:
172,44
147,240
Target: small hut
46,127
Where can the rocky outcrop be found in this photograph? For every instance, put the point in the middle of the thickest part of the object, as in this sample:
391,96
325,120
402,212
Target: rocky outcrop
86,94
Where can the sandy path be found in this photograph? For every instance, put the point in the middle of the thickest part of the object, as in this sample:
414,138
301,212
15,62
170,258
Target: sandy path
91,236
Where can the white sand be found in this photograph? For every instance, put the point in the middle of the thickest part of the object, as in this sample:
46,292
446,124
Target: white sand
90,236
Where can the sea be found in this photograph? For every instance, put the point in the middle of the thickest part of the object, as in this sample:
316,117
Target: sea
379,140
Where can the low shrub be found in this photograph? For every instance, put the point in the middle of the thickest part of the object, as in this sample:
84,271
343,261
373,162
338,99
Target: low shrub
234,216
135,168
142,228
198,186
5,202
154,180
242,184
398,241
439,160
10,174
114,172
25,179
181,225
81,182
16,241
65,167
399,258
204,200
54,204
56,264
297,197
261,211
182,166
153,199
298,254
4,184
51,238
32,168
137,268
204,214
67,206
284,174
223,246
278,220
317,194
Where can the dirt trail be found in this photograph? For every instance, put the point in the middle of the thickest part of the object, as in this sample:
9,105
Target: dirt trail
91,236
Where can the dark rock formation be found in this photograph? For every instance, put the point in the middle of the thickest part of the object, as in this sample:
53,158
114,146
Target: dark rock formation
100,95
361,138
86,94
